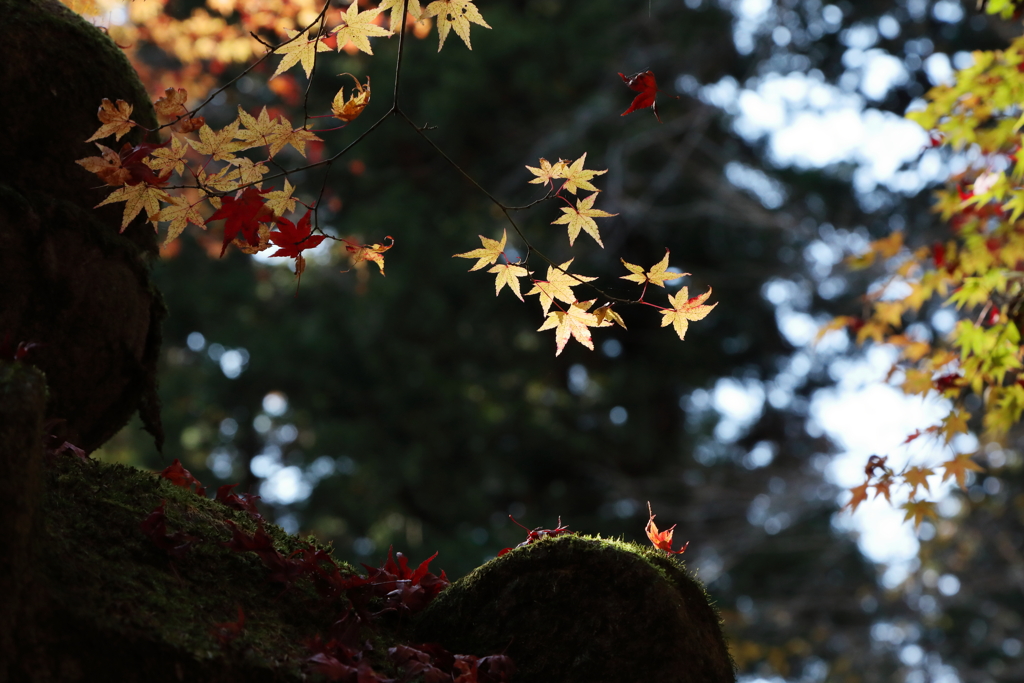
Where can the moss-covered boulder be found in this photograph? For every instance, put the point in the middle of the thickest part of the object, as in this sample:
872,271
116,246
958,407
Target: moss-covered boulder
72,282
583,610
108,604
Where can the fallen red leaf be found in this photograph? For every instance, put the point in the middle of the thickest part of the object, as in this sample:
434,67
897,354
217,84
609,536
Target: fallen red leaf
662,539
179,476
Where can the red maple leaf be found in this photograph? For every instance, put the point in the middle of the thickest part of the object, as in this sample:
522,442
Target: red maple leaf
662,539
294,239
242,215
645,83
155,527
179,476
245,501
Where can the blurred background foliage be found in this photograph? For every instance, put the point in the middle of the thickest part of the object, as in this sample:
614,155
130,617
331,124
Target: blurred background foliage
417,410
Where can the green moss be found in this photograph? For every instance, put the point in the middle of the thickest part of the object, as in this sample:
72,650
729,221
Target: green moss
581,609
104,574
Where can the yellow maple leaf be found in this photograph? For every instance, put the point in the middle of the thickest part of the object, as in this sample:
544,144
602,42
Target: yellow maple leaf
958,468
558,286
249,172
454,14
220,145
574,322
136,198
172,104
577,177
917,476
300,51
396,11
582,217
359,27
685,310
838,323
297,138
180,212
168,159
107,167
508,274
547,173
257,132
918,510
917,382
606,317
116,120
487,254
348,110
954,423
889,312
361,253
281,201
657,275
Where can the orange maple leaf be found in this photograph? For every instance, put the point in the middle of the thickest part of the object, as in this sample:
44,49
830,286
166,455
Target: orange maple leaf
917,476
348,110
958,468
662,539
107,167
360,253
115,119
918,510
860,494
172,104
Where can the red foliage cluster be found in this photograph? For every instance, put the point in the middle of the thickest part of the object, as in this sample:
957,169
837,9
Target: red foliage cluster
246,502
403,589
179,476
155,528
538,533
397,588
437,665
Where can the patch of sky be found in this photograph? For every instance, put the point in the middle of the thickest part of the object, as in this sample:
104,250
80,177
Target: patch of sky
770,192
739,404
808,123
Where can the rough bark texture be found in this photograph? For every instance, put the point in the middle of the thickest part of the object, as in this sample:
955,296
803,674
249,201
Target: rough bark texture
72,282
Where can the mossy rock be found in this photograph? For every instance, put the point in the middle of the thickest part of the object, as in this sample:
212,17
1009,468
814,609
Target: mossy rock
73,283
112,606
584,610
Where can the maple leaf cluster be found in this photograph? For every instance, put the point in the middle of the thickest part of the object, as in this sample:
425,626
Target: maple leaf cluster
572,318
254,217
217,182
